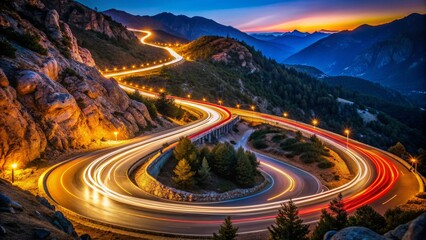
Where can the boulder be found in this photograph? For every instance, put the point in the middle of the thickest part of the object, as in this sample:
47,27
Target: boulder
40,233
52,24
45,203
27,82
64,223
356,233
51,68
416,229
398,232
329,234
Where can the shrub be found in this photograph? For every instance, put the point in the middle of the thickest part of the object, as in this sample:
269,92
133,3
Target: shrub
152,110
325,164
287,144
259,144
24,39
278,138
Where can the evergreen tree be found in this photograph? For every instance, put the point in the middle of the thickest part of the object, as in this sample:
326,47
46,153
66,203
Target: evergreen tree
185,149
288,225
335,221
184,176
399,150
366,216
337,207
324,225
204,174
226,231
223,160
244,171
254,163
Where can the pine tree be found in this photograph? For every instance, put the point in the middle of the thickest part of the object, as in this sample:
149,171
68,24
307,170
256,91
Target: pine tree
365,216
337,207
288,225
254,162
184,176
324,225
223,160
335,221
204,174
226,231
244,170
185,149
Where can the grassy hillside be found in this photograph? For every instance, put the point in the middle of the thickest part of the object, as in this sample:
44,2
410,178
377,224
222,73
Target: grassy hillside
227,70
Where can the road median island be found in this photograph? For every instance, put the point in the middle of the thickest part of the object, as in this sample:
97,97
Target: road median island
146,178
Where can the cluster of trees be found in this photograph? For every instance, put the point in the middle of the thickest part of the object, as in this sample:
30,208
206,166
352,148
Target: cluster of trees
163,104
420,159
289,226
195,166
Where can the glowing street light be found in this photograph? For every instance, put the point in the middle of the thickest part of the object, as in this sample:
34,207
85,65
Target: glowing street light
14,166
414,162
238,106
188,96
204,99
252,107
285,114
116,135
347,132
315,122
161,90
220,102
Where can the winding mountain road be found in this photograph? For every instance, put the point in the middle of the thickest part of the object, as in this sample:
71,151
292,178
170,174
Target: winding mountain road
96,185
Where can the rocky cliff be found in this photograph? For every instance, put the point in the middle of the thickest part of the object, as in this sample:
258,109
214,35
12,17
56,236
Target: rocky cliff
51,96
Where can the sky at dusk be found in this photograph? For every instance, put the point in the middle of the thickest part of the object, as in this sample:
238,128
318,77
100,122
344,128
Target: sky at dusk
274,15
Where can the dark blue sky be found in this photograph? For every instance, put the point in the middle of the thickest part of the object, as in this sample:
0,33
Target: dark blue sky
275,15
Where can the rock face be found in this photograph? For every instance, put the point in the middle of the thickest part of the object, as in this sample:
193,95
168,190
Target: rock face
417,229
82,17
56,101
356,233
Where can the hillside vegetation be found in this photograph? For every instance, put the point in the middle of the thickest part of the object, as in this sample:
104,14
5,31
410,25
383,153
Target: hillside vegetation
110,43
227,70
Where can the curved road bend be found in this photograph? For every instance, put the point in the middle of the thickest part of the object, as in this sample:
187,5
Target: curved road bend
98,182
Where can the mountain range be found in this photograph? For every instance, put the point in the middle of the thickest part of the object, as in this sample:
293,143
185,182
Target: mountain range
192,28
296,40
391,54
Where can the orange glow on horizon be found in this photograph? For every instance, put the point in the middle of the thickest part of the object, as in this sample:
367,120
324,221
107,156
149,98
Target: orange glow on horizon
331,22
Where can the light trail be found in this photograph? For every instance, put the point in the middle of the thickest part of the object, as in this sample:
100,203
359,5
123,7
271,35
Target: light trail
102,179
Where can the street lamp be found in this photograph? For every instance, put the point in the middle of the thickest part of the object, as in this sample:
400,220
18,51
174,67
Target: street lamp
204,99
238,106
116,134
414,162
315,122
189,95
161,90
285,114
347,132
252,107
14,165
